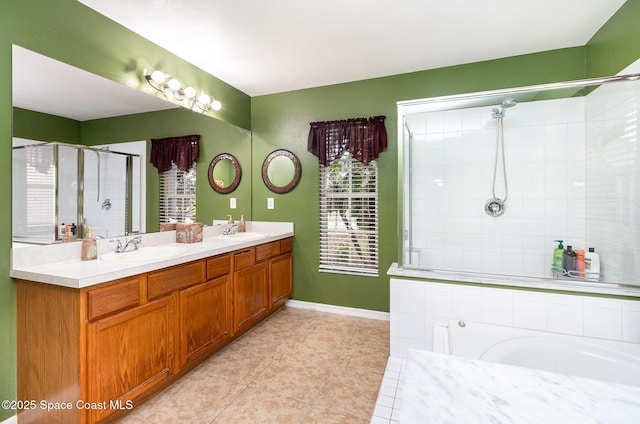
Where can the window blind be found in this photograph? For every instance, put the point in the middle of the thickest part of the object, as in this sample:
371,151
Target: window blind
40,202
177,194
349,217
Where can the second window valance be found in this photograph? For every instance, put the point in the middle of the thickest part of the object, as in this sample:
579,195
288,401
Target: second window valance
364,138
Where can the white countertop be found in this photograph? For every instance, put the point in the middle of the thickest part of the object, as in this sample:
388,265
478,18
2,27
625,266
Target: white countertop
447,389
60,264
580,286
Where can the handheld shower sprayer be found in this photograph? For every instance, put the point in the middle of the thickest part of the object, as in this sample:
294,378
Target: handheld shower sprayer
496,206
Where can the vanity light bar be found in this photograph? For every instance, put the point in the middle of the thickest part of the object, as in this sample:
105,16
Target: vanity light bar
173,89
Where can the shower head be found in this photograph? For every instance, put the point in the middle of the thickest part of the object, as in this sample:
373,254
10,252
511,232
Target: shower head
509,103
506,103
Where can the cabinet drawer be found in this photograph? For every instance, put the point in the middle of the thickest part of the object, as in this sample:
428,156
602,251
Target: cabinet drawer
244,258
267,250
220,265
286,245
176,278
113,298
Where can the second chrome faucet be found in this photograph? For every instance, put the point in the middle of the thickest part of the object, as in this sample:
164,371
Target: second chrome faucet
121,249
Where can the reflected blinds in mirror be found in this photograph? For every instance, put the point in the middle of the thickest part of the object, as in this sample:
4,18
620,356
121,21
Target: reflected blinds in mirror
177,195
34,198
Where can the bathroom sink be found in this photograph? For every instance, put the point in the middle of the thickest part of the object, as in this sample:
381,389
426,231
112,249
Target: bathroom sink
151,253
250,235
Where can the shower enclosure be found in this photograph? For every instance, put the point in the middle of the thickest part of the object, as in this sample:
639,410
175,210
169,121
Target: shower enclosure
566,157
58,184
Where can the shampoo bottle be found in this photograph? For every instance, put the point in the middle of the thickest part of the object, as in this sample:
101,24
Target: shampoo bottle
557,257
242,226
89,247
569,260
592,265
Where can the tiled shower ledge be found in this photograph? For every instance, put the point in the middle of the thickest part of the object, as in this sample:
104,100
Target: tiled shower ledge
509,281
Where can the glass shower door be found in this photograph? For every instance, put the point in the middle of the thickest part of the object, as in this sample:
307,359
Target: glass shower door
105,193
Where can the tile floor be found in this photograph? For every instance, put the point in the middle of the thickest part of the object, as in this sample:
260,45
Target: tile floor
298,366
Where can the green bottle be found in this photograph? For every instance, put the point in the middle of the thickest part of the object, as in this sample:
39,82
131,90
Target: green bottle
558,258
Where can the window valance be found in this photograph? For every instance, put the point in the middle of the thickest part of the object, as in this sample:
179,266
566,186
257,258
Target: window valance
183,151
364,138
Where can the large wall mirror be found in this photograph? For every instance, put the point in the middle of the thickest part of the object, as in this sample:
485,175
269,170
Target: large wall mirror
281,171
224,173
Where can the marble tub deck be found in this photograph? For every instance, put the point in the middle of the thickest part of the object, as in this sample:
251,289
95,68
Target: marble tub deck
438,388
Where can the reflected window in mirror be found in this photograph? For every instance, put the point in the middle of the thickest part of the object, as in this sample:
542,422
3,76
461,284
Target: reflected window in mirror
281,171
224,173
177,195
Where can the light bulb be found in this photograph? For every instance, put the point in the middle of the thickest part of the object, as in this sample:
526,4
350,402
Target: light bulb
190,92
216,105
158,77
204,99
174,84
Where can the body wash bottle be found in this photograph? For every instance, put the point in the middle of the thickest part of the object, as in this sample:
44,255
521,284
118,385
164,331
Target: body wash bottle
569,260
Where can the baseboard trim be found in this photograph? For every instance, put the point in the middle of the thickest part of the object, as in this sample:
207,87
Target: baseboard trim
11,420
342,310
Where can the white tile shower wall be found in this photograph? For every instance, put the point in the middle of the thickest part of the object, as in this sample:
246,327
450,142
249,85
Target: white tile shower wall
544,150
411,326
613,173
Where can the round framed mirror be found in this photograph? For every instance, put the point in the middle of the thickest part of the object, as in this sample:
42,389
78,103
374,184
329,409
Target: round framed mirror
281,171
224,173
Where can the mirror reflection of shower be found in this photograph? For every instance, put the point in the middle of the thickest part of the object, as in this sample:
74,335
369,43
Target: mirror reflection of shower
58,184
496,206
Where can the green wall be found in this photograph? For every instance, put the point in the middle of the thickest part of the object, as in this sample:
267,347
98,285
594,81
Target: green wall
44,127
68,31
617,44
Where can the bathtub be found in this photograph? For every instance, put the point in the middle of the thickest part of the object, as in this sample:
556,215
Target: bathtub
600,359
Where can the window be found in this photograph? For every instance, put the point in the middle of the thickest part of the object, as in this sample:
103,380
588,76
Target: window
349,217
177,194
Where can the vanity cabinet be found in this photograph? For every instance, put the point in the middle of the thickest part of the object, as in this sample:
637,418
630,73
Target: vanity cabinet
281,275
111,345
250,290
130,353
206,311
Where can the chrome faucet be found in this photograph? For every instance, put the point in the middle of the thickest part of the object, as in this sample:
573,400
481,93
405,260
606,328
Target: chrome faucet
121,249
229,229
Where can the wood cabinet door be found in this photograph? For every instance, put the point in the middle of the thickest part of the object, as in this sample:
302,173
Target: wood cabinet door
205,317
129,353
250,296
280,279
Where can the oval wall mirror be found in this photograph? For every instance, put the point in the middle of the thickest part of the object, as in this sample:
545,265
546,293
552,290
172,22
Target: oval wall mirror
224,173
281,171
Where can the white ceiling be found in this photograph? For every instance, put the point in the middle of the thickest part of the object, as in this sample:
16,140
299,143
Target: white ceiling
270,46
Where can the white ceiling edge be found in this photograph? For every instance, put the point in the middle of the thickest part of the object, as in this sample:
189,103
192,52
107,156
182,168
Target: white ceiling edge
45,85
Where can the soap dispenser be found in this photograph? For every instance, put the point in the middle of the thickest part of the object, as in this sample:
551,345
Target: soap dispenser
557,257
242,227
230,220
89,247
